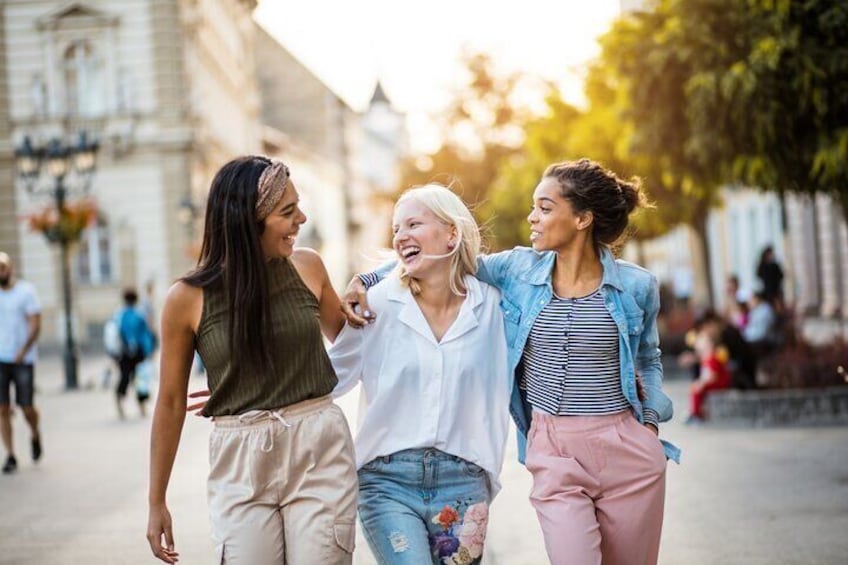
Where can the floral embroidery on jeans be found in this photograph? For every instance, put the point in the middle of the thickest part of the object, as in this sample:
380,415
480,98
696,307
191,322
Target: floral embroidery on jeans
460,543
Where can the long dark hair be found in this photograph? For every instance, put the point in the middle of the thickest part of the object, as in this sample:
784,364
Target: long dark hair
231,258
611,199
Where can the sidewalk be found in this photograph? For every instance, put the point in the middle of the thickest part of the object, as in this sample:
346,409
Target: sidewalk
741,496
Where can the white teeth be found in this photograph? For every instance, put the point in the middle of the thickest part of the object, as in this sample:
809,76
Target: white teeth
407,252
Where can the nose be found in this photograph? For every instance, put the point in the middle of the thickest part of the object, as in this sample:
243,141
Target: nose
531,217
398,237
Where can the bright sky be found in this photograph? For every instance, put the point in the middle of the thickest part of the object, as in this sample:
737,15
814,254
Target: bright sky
414,48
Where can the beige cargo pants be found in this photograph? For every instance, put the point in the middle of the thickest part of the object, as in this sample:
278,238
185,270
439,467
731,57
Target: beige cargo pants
282,486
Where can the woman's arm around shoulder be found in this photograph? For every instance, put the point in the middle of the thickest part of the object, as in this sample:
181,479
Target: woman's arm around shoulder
311,269
180,318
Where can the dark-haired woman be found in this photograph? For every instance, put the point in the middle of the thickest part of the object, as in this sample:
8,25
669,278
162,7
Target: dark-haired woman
282,483
582,337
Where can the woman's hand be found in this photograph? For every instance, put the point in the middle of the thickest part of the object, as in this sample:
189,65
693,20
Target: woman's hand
355,304
159,527
198,407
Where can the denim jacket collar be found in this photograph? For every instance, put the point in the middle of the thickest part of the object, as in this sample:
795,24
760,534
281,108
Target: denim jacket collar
540,273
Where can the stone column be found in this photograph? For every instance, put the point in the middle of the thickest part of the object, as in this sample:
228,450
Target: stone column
9,225
843,262
829,256
800,216
176,137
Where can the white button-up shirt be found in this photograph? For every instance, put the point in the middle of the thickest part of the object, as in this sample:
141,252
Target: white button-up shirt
452,394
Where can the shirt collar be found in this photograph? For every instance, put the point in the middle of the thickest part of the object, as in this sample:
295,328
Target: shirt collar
540,273
410,314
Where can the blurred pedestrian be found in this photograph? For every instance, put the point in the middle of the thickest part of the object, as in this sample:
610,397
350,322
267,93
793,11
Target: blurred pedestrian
282,484
735,304
771,277
435,374
731,346
136,345
714,374
20,324
147,307
580,325
761,331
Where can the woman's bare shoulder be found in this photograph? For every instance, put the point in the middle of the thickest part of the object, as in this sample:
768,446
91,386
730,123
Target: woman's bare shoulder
183,304
309,264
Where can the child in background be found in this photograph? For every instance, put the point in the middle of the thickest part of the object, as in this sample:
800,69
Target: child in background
714,373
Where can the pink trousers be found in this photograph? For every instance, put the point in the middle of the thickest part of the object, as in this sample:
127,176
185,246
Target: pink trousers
598,488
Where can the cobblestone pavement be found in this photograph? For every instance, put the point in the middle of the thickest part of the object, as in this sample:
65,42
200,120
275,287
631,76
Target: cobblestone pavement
741,496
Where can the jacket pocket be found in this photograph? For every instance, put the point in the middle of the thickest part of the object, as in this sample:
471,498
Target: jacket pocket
635,324
512,319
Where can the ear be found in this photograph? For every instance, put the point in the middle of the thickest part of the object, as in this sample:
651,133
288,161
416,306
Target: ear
452,237
585,219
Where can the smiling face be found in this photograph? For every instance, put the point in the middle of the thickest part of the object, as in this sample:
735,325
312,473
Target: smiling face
553,223
282,225
418,233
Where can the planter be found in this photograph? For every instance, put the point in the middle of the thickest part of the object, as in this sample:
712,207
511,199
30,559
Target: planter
780,407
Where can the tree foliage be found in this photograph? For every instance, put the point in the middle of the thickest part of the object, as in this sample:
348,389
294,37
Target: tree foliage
482,128
776,116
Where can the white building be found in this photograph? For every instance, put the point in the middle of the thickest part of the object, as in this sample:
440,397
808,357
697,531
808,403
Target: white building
172,90
344,163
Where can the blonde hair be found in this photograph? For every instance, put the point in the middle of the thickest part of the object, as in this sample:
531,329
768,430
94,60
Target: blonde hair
452,211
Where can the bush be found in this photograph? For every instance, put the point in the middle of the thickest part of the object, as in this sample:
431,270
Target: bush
803,365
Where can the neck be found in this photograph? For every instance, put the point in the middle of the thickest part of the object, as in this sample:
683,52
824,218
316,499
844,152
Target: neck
436,292
578,264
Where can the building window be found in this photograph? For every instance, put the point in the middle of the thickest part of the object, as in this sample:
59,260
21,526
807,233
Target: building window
83,80
94,259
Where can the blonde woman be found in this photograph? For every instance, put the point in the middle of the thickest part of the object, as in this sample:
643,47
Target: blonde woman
434,371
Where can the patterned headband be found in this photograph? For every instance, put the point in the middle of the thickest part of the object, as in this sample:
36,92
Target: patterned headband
272,185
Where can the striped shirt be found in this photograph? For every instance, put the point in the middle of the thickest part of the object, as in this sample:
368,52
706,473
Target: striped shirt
571,361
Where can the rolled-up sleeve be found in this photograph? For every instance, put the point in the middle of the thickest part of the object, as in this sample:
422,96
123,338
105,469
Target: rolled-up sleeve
346,357
657,406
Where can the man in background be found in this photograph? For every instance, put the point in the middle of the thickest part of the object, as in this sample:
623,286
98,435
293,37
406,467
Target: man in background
20,324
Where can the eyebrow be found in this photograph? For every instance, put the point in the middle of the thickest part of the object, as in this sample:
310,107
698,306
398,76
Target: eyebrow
551,200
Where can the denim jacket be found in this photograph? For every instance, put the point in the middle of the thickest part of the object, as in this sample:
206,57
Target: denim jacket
631,295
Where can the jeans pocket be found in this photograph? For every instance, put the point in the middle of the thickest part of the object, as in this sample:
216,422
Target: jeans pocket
472,469
376,464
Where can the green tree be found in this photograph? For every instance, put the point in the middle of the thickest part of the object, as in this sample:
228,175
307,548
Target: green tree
659,56
776,114
547,140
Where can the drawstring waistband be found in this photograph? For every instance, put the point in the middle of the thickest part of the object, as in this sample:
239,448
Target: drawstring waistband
260,418
255,416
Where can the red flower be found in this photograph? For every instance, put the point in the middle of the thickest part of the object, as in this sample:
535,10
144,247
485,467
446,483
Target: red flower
66,224
447,517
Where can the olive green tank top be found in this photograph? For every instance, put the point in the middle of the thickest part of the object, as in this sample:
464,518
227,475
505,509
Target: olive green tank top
297,350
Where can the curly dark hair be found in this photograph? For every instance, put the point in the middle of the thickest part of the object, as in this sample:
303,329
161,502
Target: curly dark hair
588,186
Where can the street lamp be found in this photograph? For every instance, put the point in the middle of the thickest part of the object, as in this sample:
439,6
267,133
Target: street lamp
54,161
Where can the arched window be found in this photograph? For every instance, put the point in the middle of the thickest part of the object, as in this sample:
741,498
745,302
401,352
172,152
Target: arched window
94,258
83,80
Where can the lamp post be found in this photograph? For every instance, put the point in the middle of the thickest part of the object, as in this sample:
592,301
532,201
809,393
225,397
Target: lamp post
53,162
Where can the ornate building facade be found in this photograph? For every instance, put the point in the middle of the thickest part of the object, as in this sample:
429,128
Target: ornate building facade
172,89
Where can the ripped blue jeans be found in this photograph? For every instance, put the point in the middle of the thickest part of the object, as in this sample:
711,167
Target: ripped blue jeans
423,505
